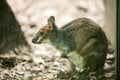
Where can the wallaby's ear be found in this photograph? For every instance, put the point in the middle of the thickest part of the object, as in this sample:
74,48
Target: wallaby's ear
51,23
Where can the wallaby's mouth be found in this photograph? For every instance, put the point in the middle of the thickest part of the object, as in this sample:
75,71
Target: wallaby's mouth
35,41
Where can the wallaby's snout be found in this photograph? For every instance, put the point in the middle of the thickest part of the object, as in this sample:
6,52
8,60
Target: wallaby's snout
34,40
37,38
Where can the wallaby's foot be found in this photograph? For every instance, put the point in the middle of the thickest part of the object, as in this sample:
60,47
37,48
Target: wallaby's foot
69,75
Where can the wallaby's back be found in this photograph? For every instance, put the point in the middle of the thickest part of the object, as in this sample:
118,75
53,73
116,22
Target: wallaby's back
84,29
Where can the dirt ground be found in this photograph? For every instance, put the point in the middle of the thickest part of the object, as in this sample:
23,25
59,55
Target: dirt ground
32,15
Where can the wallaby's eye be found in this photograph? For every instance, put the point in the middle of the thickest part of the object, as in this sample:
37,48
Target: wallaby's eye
41,33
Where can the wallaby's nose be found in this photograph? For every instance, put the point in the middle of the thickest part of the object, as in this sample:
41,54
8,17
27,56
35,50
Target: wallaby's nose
34,40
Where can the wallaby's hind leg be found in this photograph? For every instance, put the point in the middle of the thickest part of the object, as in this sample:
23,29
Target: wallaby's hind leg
91,58
91,54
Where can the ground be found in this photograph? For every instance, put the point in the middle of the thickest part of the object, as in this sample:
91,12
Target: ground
47,63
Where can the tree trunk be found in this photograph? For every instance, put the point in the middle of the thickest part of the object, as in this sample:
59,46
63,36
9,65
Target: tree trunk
12,39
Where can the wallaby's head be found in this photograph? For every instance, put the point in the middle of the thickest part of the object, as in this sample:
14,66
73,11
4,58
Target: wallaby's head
45,31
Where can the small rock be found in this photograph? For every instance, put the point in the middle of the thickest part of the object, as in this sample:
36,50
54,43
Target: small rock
56,64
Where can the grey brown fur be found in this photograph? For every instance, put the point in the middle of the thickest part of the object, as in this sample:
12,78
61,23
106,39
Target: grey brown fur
82,41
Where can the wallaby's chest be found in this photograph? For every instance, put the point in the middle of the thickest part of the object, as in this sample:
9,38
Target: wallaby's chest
61,46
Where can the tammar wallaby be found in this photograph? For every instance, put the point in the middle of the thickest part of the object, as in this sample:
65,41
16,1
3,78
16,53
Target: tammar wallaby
82,41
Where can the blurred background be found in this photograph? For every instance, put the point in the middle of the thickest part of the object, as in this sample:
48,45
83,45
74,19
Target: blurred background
33,14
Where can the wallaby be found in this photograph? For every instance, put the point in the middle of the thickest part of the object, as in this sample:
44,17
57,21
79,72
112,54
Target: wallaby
82,41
